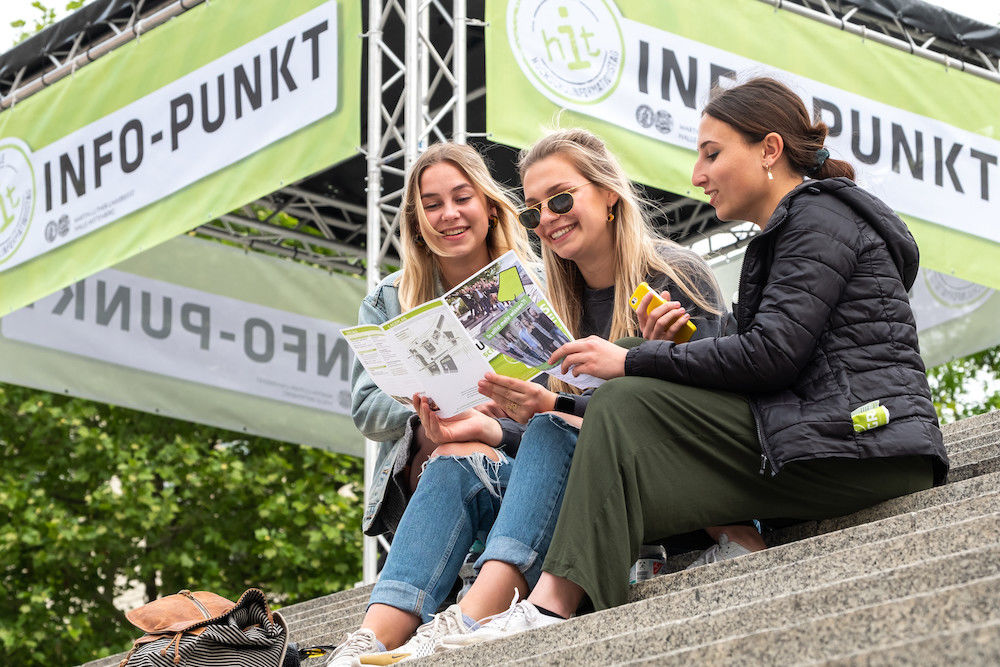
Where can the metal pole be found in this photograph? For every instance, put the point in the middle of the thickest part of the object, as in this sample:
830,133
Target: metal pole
369,558
461,61
412,82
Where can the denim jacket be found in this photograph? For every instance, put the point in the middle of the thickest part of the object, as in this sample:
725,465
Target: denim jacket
380,417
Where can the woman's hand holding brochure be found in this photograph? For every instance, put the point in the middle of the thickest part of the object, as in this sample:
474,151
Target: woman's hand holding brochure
521,400
467,426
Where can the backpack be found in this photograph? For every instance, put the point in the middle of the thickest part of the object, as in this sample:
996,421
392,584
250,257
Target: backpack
203,629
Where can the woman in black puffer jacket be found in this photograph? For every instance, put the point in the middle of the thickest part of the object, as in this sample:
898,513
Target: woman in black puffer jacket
817,406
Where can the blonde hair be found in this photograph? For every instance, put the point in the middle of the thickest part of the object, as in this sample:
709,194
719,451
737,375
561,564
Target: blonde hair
420,263
637,248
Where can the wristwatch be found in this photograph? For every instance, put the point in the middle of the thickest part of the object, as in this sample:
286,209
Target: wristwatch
566,403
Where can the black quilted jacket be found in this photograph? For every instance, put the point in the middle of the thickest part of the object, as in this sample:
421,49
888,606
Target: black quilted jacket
823,327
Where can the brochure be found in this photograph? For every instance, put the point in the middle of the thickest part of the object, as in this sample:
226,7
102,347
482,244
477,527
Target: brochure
498,320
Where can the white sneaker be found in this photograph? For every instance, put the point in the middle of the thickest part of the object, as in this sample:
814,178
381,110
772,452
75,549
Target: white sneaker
724,550
424,641
355,643
520,616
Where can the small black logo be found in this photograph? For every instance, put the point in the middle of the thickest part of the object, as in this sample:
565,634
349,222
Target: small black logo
644,115
63,225
50,231
664,122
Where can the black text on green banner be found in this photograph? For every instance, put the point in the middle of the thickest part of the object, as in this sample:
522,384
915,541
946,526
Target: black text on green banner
207,120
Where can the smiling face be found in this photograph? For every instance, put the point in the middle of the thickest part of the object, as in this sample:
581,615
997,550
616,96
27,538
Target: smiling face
583,233
456,212
731,172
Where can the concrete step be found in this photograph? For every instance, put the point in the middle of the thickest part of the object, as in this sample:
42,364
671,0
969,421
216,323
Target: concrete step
975,468
964,443
979,452
343,606
975,645
968,499
333,600
915,502
906,619
330,630
322,627
684,637
780,571
985,420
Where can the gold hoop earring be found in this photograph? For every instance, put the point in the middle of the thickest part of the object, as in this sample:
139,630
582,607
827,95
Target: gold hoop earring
611,216
419,241
494,221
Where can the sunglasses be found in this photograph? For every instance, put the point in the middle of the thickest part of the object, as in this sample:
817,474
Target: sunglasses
559,204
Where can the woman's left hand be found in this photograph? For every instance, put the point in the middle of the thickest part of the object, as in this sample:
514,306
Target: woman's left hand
467,426
591,355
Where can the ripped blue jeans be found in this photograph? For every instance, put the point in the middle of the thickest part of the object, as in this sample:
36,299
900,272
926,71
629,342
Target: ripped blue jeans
513,504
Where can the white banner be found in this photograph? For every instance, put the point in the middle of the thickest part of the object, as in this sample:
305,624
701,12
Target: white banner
200,123
585,56
185,333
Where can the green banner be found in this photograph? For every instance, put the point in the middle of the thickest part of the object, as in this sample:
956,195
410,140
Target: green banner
158,137
203,332
923,136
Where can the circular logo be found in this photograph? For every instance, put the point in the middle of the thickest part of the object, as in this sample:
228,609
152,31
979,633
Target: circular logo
664,122
570,50
955,292
644,116
17,195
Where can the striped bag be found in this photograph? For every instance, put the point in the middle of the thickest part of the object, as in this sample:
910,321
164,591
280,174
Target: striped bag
203,629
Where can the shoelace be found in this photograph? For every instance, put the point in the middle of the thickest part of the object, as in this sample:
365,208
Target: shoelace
355,643
442,624
504,618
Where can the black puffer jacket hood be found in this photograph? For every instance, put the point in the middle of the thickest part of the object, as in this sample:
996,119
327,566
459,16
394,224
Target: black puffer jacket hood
824,326
899,242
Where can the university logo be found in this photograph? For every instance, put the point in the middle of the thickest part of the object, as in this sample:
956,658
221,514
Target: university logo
954,292
17,195
571,50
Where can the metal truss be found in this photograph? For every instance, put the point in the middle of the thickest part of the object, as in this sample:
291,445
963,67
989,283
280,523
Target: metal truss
420,80
300,224
88,45
853,18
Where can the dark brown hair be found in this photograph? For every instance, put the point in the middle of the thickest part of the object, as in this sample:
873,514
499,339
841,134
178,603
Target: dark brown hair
763,105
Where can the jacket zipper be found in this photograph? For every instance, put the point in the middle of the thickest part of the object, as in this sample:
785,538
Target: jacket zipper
765,460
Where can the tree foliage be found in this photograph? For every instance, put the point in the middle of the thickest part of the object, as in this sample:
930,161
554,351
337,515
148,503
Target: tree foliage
99,498
46,15
967,386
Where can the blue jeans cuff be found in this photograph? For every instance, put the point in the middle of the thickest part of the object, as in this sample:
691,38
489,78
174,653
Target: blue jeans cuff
404,597
513,552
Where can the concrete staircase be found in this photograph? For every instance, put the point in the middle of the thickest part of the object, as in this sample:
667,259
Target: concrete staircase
915,580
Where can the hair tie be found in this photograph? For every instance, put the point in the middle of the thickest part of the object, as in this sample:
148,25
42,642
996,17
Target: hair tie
821,155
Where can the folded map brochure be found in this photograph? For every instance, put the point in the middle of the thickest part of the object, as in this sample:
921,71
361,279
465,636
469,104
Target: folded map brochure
498,320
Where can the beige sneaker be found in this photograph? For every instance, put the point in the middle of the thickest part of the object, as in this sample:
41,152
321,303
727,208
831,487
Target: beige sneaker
356,643
724,550
424,642
520,617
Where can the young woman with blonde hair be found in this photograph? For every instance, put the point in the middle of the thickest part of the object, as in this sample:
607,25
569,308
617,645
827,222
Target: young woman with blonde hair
598,246
456,219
